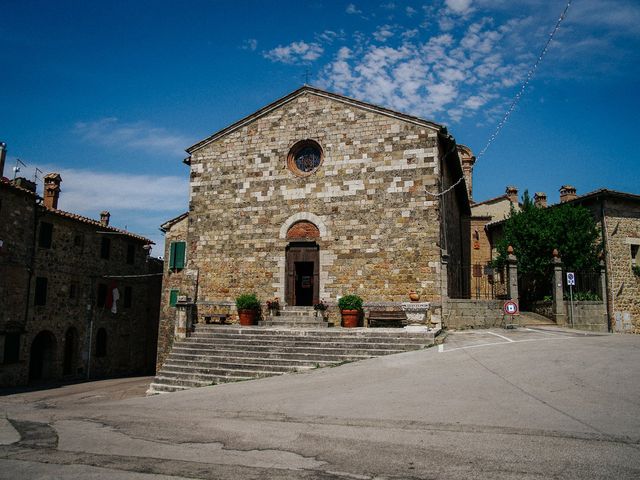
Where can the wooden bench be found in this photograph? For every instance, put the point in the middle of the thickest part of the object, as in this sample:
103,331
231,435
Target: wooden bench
220,318
387,319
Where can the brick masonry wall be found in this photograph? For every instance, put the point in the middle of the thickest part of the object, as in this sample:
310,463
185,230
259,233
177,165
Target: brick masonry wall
380,233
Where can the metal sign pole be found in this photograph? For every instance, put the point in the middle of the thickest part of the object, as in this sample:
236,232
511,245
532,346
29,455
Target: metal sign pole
571,299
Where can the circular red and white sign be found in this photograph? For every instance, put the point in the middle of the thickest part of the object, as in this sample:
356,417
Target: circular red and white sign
510,307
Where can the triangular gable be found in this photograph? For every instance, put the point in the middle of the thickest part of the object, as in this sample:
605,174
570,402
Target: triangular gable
321,93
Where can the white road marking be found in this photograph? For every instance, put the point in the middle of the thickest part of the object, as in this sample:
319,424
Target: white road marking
544,332
441,348
556,337
501,336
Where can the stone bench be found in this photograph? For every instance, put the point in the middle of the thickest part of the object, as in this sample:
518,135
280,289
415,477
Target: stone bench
387,319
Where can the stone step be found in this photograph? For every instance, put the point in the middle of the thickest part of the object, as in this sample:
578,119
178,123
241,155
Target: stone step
260,344
331,334
223,368
213,374
307,356
337,332
201,361
219,354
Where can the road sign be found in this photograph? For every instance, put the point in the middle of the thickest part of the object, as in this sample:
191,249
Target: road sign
571,278
511,308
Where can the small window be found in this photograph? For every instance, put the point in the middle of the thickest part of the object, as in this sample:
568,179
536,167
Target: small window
41,291
105,248
128,296
12,348
73,291
131,253
173,297
634,255
101,343
101,299
46,235
176,255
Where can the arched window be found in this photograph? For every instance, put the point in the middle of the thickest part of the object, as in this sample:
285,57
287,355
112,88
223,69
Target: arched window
101,343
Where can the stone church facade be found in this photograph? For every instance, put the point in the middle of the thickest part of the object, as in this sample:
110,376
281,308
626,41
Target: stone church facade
313,197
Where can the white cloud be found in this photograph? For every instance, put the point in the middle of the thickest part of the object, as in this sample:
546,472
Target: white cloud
383,33
388,6
250,44
136,136
460,7
447,77
296,52
329,36
352,9
139,202
410,11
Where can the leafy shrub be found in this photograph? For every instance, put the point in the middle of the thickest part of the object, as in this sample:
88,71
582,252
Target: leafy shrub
247,301
350,302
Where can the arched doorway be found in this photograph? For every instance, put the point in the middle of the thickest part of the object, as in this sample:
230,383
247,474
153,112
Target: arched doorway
42,358
302,265
70,352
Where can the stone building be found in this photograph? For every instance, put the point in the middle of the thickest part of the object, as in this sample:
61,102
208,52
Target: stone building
617,215
316,196
485,282
78,297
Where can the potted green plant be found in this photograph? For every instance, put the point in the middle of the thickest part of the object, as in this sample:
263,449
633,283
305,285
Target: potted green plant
248,307
350,307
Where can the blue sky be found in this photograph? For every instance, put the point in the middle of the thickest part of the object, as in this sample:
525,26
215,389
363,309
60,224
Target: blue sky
111,93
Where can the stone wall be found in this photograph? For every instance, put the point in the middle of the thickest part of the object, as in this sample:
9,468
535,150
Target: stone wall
462,313
622,231
17,208
591,316
181,280
379,231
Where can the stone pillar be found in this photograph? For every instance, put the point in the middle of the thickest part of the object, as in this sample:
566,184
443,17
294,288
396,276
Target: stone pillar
183,317
603,292
512,274
444,275
559,311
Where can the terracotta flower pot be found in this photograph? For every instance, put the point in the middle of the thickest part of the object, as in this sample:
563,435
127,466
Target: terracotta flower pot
350,318
247,317
414,296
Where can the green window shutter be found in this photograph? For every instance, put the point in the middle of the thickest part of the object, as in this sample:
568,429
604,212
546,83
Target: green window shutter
179,258
173,298
172,256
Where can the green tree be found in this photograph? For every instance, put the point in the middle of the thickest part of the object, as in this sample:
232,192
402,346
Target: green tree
534,232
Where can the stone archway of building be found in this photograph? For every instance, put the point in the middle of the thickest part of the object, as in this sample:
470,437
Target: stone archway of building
69,363
42,357
302,264
302,273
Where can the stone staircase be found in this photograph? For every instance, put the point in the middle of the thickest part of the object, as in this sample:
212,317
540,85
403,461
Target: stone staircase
217,354
302,317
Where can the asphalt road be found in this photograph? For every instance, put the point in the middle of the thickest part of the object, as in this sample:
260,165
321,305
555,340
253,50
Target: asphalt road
486,404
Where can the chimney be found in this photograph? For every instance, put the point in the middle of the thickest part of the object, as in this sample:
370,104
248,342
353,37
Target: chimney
540,199
512,193
468,160
3,156
104,218
567,193
52,190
